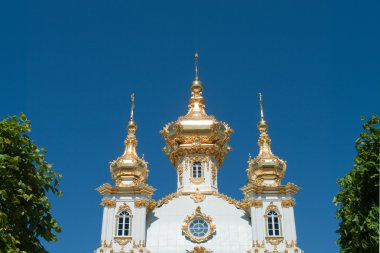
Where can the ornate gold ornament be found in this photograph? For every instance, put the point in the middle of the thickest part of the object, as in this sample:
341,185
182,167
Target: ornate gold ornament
272,207
197,180
139,244
110,203
147,203
199,249
288,189
123,240
125,207
288,203
291,244
274,240
257,244
197,196
198,214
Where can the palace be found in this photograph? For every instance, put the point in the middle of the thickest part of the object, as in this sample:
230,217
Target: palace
197,218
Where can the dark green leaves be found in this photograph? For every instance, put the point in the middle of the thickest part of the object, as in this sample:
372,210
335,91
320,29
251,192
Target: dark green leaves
25,179
358,200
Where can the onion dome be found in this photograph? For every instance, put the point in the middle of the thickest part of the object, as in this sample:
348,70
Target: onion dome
129,169
265,169
196,132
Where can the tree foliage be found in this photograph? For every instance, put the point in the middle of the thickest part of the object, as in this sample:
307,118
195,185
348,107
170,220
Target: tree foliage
358,200
25,180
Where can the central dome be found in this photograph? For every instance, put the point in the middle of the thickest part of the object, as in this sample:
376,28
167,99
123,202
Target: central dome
196,132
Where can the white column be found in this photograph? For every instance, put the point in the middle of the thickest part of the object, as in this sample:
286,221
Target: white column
104,222
293,223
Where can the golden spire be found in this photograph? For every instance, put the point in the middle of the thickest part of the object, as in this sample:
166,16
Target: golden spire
129,165
196,65
132,126
262,124
265,168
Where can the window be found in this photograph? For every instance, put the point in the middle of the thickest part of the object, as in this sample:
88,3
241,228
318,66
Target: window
273,223
197,169
123,224
198,227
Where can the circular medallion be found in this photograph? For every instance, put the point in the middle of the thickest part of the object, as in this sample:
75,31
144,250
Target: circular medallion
198,227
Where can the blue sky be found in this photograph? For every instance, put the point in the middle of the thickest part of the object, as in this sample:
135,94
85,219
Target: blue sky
72,65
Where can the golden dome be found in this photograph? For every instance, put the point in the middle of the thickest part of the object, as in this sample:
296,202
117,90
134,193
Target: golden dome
129,169
266,168
196,132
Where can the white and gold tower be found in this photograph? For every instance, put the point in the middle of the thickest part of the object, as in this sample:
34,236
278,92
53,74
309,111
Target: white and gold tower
196,144
269,202
125,204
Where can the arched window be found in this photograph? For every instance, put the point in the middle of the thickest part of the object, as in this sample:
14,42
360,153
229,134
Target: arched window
197,169
273,223
124,224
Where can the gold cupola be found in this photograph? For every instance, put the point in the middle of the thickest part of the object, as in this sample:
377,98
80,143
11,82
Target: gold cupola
266,169
129,169
196,132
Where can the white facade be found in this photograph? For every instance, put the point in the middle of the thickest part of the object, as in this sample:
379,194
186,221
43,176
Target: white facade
197,218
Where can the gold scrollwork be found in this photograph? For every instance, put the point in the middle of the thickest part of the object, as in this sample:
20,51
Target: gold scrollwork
108,203
180,174
198,214
288,203
124,207
197,196
274,240
147,203
122,240
213,173
197,180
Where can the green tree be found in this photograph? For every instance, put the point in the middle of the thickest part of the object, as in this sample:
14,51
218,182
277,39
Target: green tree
25,180
358,200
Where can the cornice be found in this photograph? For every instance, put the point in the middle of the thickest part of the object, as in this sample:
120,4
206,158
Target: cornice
140,189
288,189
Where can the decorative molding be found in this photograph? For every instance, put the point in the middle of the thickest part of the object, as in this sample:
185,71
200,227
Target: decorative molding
139,244
199,249
197,196
213,173
110,203
288,203
197,180
272,207
198,214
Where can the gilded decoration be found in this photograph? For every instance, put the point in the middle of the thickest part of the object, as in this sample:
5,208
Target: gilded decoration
125,207
197,196
147,203
257,203
173,195
291,244
139,244
288,189
122,240
256,244
288,203
274,240
110,203
198,214
199,249
197,180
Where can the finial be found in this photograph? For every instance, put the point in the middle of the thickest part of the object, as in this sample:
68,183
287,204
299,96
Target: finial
196,57
262,124
261,106
132,104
